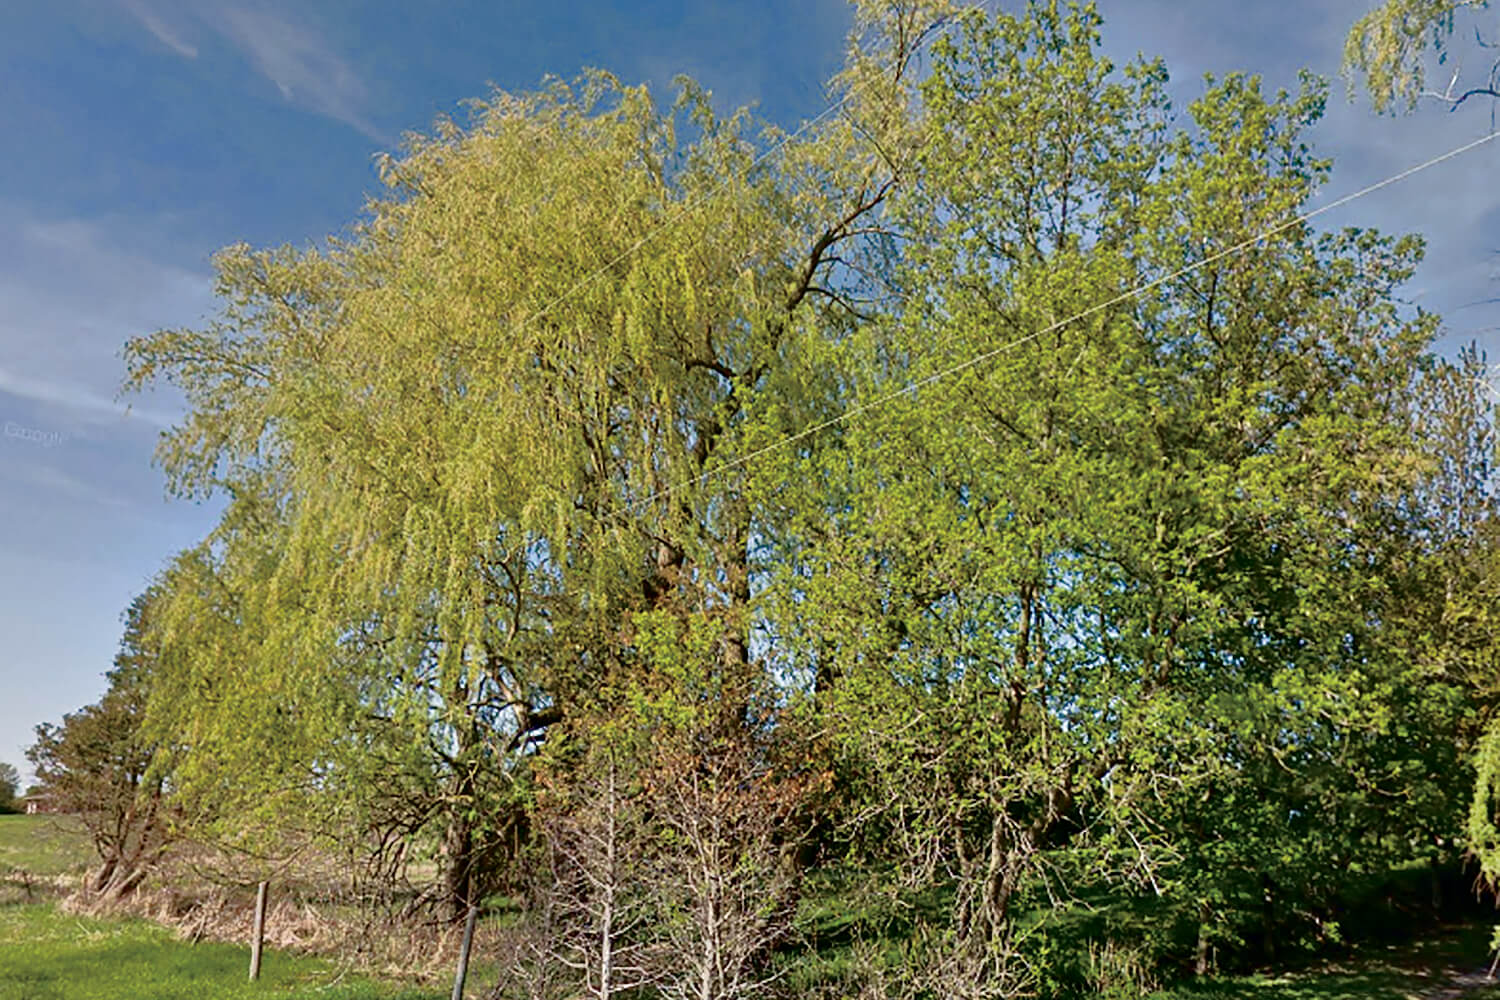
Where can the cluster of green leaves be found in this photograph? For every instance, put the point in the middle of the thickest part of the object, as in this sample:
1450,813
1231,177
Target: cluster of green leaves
1390,48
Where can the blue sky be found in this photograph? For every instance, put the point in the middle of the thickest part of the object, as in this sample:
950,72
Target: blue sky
145,134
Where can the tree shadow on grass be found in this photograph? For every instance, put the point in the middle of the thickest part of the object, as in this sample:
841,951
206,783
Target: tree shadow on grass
1449,966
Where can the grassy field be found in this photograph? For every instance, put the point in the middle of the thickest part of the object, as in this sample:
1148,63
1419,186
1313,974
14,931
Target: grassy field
43,845
40,856
48,955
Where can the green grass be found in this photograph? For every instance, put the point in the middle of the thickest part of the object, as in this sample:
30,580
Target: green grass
44,845
45,954
48,955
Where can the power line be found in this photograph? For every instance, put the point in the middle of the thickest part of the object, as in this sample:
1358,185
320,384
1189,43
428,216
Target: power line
1126,296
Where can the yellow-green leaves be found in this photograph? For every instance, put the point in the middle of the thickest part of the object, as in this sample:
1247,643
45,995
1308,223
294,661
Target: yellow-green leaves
1389,47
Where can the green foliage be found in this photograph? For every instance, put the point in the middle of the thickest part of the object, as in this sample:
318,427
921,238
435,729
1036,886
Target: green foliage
1471,618
1388,47
253,751
1150,597
10,787
1109,634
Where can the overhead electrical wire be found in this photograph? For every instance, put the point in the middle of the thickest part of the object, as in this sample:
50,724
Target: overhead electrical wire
979,359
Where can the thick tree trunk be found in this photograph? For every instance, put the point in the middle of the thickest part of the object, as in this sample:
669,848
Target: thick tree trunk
131,851
125,882
459,841
460,876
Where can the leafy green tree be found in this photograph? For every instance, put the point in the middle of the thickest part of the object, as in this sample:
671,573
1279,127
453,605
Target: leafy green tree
97,765
10,786
1125,597
1390,48
486,420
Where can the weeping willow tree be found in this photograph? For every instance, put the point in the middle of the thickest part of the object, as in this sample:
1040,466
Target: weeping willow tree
511,409
1392,46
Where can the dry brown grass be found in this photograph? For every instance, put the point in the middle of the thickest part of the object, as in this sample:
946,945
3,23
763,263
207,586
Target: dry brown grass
312,910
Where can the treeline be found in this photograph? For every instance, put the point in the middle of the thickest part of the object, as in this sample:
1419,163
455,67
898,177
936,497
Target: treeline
980,544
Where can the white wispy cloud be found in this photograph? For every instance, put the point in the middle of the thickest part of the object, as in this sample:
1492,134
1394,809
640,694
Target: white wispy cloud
48,478
86,404
71,293
163,32
304,67
307,70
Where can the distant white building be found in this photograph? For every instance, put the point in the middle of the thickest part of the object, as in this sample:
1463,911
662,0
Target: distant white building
37,802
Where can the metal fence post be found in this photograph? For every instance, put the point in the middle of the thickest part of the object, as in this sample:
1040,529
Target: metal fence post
257,936
463,954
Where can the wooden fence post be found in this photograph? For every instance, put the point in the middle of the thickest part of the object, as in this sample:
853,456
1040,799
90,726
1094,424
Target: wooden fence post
258,935
463,954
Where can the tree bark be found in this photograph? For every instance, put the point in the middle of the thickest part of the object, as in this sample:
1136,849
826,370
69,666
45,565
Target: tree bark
458,877
1268,917
1200,956
104,875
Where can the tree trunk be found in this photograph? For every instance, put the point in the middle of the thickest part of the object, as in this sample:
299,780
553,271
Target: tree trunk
463,800
105,874
125,882
458,877
1268,917
1200,957
737,682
